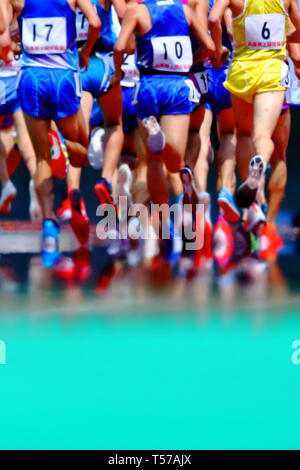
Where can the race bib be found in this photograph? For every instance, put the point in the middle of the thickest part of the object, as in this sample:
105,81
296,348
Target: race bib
131,73
194,95
293,93
265,31
44,35
82,25
172,53
202,81
2,92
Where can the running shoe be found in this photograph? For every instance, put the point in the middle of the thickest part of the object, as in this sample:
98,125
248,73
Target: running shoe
270,242
96,151
256,218
124,182
64,213
9,193
190,195
171,245
103,191
228,206
105,279
204,255
246,193
156,139
50,250
59,154
79,220
123,191
223,241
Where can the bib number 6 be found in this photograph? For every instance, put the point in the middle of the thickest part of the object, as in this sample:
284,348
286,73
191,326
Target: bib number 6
266,33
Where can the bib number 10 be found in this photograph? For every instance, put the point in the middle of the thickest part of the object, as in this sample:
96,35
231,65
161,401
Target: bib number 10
178,50
172,53
44,35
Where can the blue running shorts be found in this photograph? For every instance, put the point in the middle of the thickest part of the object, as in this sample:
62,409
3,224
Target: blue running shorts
49,94
9,101
96,118
129,110
159,95
96,80
218,97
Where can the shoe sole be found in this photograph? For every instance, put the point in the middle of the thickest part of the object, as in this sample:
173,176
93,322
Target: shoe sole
230,213
6,205
247,192
155,144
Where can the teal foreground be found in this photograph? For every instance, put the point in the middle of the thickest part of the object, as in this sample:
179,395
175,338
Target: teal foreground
189,379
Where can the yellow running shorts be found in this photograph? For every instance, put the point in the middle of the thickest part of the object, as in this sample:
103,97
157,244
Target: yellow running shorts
246,78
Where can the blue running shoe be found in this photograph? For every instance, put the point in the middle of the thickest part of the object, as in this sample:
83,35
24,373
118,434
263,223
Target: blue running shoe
171,245
50,252
228,206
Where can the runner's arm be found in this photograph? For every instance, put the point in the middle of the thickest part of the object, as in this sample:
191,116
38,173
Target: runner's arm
215,25
94,28
294,13
129,24
196,13
120,7
6,15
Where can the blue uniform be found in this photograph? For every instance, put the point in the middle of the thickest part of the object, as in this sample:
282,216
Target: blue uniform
218,97
96,79
49,86
164,59
9,102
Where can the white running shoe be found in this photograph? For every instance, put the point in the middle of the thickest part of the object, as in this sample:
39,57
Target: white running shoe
35,210
156,138
95,151
247,192
124,183
9,193
256,218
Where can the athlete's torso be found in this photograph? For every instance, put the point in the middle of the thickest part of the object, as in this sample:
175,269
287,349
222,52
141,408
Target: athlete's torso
107,37
48,34
166,47
260,30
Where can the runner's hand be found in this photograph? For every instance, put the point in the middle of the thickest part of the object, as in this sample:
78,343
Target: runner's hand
6,53
115,79
220,57
84,58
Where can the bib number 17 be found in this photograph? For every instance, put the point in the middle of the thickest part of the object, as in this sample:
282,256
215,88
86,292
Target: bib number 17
44,35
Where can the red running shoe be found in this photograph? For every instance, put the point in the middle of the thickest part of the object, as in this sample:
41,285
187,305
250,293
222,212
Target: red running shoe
64,213
205,254
79,220
59,155
103,192
223,241
270,242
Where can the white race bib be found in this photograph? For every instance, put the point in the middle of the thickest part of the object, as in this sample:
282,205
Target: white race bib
2,92
82,26
131,73
265,31
202,80
194,95
172,53
45,35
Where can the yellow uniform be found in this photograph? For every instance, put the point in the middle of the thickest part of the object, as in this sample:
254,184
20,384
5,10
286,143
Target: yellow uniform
260,49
